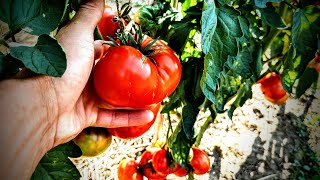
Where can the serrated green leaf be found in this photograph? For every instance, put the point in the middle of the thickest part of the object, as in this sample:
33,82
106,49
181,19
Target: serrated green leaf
308,77
46,57
209,24
262,3
55,164
37,16
7,67
179,145
306,26
272,18
230,57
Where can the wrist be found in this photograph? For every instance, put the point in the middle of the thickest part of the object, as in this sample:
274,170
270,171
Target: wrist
27,132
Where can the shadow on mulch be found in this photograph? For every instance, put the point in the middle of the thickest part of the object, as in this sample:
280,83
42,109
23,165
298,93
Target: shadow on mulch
288,155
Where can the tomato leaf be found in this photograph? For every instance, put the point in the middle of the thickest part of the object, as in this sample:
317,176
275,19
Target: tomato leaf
272,18
46,57
55,164
230,58
189,117
7,67
179,145
209,24
306,26
309,76
36,16
262,3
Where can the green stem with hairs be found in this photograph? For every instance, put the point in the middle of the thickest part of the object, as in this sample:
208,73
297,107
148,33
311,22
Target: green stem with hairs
205,125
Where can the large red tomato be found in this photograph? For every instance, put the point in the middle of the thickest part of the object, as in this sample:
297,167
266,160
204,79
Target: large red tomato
145,164
162,162
272,88
135,131
125,78
107,26
128,170
200,161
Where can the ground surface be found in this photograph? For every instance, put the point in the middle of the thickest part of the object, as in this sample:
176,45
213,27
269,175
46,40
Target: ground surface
262,141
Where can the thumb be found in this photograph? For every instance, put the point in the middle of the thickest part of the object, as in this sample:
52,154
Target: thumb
89,14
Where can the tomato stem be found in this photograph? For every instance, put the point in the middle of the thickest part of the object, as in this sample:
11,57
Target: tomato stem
205,125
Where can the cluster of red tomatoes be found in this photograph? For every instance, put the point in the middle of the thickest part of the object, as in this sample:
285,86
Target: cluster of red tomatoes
157,163
127,78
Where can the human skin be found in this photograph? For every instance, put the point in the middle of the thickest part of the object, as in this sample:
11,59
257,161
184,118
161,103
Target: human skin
42,112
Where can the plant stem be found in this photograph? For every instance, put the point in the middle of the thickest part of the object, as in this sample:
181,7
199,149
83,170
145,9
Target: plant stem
274,32
205,125
291,5
174,4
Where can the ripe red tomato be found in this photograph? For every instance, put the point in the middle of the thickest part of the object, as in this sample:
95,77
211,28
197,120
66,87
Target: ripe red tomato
162,162
181,172
107,26
200,161
145,165
128,170
272,88
126,78
135,131
93,141
168,66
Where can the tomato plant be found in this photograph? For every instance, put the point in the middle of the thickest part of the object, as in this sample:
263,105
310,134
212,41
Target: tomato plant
93,141
200,161
135,131
271,87
277,36
128,170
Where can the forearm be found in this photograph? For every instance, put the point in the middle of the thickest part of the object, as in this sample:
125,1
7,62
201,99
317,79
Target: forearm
26,132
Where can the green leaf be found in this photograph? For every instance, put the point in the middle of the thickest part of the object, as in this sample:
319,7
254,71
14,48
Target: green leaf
179,145
189,117
36,16
209,24
309,76
7,67
272,18
46,57
306,26
175,98
262,3
55,164
230,59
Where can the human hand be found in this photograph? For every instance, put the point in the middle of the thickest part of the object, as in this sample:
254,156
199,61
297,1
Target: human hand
76,103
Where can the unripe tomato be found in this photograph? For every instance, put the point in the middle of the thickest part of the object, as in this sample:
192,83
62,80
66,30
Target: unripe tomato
93,141
200,161
128,170
272,88
135,131
107,26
